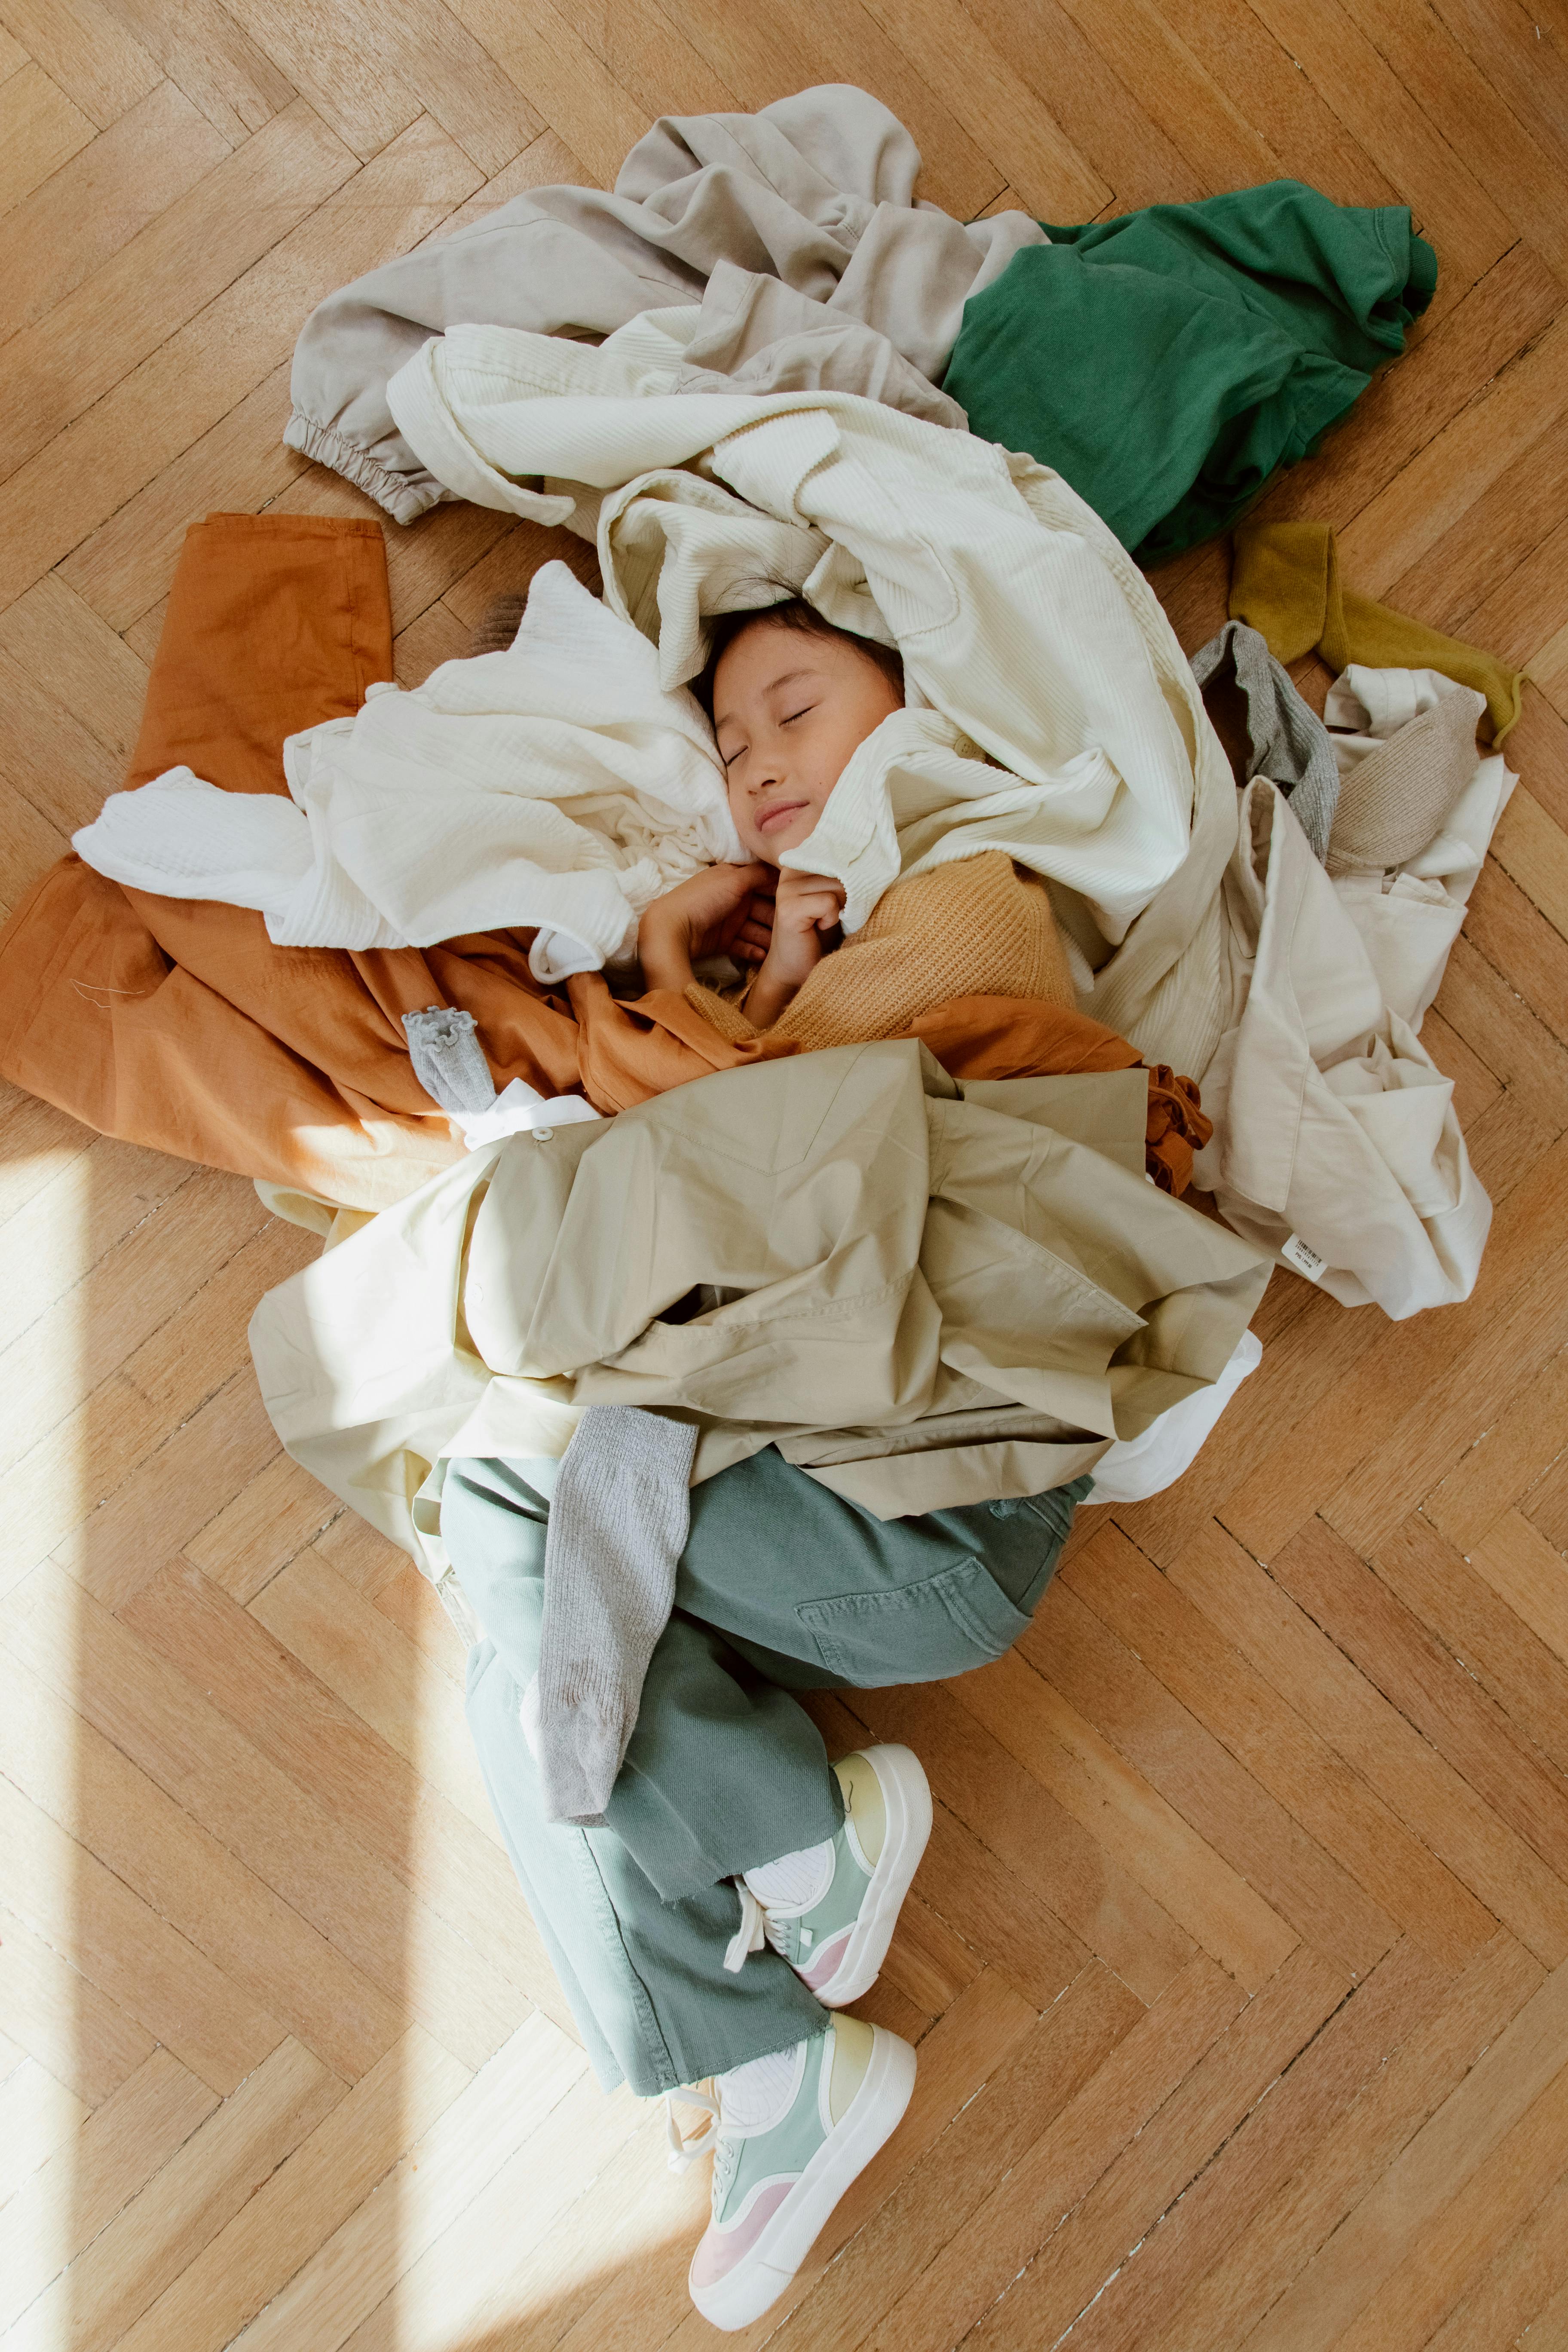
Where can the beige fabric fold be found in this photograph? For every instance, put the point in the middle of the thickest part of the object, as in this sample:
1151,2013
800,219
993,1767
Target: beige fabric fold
757,334
1405,743
1350,1162
928,1300
1399,797
816,191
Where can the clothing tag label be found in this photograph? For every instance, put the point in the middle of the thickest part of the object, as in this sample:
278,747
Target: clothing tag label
1303,1257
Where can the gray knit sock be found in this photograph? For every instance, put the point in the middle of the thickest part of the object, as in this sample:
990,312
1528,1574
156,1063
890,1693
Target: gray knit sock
617,1527
448,1060
1289,742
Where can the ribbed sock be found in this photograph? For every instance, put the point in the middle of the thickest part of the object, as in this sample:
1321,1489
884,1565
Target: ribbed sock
617,1527
795,1880
758,2095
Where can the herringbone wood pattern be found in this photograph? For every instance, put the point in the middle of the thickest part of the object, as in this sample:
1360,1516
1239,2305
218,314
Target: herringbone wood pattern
1239,1963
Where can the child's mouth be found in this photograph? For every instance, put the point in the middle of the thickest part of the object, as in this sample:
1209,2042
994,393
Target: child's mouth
779,815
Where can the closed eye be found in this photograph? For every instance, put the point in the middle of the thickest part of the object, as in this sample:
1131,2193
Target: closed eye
794,715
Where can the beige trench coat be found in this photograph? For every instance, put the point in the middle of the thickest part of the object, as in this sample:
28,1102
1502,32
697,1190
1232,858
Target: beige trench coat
925,1296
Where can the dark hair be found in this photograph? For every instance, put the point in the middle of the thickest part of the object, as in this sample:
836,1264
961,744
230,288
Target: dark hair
793,613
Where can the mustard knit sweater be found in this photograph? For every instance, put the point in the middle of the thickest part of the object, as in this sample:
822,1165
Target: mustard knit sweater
978,927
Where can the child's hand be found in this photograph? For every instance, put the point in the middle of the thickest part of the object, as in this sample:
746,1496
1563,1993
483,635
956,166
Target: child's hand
807,906
722,911
805,911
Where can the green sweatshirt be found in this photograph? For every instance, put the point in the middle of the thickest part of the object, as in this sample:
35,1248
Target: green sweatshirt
1167,362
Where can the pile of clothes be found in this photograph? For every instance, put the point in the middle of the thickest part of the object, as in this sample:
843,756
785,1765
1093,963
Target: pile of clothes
392,978
1164,363
697,1358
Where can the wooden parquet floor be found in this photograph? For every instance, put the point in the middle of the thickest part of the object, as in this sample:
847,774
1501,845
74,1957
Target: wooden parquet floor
1239,1963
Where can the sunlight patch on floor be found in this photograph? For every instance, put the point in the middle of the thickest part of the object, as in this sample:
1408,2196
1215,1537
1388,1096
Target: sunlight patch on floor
44,1301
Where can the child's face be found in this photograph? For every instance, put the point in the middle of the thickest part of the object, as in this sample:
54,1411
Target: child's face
789,708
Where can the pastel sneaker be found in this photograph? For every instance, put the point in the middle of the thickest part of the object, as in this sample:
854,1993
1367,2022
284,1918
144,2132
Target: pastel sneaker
789,2135
830,1910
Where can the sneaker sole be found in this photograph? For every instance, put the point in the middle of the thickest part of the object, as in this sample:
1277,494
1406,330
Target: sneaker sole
872,2116
906,1800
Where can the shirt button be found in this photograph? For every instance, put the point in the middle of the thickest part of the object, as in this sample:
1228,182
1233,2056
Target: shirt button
544,1135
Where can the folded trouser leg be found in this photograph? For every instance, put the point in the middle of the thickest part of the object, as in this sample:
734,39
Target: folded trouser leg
646,1977
783,1585
723,1770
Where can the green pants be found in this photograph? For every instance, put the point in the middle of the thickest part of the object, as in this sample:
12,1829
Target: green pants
783,1585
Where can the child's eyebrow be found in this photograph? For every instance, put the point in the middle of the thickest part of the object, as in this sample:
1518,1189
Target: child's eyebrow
789,678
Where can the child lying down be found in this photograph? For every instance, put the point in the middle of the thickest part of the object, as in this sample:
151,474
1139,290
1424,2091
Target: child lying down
792,697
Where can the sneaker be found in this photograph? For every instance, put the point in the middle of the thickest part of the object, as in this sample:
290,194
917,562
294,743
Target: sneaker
830,1911
789,2134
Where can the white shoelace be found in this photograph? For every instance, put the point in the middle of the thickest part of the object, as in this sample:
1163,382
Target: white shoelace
751,1934
683,2151
788,1887
748,2098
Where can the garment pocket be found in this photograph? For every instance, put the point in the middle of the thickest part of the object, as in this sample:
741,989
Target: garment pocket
946,1624
1055,1508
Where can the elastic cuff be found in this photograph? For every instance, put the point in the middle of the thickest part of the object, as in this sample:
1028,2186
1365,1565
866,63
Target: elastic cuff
404,499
